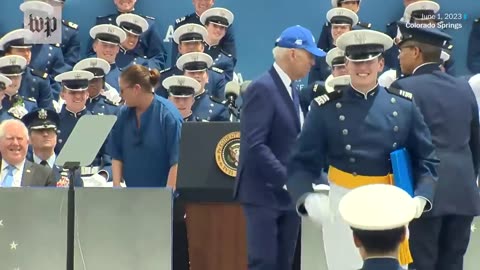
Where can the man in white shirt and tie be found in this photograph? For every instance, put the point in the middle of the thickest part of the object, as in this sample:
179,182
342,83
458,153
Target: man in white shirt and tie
16,171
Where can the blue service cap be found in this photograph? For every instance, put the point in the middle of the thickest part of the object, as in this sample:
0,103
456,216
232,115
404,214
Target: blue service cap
423,34
298,37
41,119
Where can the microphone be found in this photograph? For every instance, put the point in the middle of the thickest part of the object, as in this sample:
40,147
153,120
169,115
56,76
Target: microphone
232,91
244,86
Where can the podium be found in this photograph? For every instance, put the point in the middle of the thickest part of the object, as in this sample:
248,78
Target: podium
215,224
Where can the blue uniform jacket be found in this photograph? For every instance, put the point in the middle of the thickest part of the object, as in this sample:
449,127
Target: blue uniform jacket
57,171
451,112
356,133
215,86
381,264
70,44
151,42
320,71
307,94
473,54
68,120
112,77
221,60
48,58
227,43
100,105
126,58
36,84
269,126
391,55
209,108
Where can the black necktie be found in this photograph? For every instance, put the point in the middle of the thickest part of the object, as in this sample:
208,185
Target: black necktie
44,163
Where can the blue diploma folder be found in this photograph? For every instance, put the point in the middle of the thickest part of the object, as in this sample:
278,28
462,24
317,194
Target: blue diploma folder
402,170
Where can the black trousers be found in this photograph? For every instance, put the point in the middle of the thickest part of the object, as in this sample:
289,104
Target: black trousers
439,243
181,261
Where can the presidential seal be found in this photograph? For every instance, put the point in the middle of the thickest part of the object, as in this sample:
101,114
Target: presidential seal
227,153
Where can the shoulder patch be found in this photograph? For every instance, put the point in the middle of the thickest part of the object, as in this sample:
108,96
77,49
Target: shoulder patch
218,70
40,73
110,102
70,24
365,25
165,70
400,93
216,100
31,99
325,98
179,20
229,55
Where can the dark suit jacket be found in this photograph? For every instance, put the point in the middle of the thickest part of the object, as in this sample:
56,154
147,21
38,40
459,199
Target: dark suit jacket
35,175
269,128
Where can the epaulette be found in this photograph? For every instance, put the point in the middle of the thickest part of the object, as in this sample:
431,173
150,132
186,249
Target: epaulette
327,24
449,47
110,102
70,24
226,53
365,25
390,24
148,17
216,100
218,70
400,93
179,20
198,119
39,73
32,99
325,98
165,70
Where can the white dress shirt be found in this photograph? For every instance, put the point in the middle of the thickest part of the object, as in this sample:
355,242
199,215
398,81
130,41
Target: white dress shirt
17,173
50,160
287,81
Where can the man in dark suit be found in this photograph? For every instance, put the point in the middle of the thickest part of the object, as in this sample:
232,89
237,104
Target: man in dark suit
16,170
42,125
440,238
378,228
271,120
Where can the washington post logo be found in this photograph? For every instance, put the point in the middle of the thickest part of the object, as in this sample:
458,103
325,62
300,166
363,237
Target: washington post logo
44,20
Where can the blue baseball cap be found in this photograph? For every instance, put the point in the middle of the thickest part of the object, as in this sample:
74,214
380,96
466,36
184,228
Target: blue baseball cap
298,37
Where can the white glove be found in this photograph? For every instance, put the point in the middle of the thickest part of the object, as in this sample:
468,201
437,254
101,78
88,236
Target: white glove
420,205
57,105
318,207
95,180
112,95
18,111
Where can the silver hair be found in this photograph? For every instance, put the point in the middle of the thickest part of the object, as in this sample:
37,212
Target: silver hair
6,123
279,52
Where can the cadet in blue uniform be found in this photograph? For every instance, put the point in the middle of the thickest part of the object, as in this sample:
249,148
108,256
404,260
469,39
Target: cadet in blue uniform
97,103
195,65
181,91
151,42
75,94
440,238
370,123
378,216
42,125
134,26
145,139
70,41
190,39
325,41
335,61
342,21
48,58
473,56
14,104
227,43
4,83
217,21
106,46
34,83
